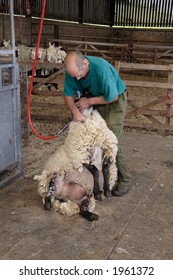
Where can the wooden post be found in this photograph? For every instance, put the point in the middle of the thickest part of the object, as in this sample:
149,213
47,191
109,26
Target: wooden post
169,105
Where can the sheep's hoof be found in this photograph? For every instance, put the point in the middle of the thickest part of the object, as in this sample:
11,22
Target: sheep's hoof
89,216
98,196
107,193
93,217
47,205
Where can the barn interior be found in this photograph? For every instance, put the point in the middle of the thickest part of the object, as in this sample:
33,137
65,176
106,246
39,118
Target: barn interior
33,115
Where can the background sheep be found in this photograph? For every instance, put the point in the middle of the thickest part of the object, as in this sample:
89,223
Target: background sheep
61,54
41,54
51,53
6,44
24,53
76,154
55,54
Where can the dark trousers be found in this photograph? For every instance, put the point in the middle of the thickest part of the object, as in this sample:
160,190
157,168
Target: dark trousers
114,115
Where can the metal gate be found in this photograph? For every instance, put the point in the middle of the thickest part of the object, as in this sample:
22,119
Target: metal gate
10,116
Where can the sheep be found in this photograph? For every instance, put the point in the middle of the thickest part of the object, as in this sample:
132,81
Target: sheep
51,53
67,195
24,53
6,44
67,167
55,54
41,54
32,54
61,55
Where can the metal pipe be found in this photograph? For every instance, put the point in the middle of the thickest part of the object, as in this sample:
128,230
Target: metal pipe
12,30
62,129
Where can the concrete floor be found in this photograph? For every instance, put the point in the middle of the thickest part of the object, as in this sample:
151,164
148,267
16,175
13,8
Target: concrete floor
136,226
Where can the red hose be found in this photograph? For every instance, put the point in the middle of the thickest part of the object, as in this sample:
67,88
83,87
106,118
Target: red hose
32,79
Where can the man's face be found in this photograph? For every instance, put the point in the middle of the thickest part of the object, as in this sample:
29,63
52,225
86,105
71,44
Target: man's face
78,74
73,70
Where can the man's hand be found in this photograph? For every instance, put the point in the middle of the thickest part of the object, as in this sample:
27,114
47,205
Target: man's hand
83,104
78,117
76,114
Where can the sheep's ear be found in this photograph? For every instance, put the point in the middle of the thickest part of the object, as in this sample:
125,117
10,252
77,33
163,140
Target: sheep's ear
49,44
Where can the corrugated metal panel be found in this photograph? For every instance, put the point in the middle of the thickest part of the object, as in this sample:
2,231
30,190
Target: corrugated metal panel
62,10
97,11
144,13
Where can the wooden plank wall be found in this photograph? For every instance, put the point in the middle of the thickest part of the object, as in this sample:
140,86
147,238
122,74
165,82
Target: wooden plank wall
26,30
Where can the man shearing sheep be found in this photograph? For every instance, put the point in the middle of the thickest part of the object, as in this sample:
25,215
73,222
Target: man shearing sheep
109,98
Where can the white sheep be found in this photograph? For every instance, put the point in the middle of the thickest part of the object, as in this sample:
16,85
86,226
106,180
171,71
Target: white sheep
41,54
6,44
24,53
67,167
51,53
55,54
61,55
72,194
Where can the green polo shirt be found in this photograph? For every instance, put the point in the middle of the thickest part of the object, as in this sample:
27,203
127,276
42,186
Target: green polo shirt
102,80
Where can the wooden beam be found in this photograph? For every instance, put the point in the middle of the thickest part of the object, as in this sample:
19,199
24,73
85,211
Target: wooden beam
148,84
90,43
48,79
148,126
154,47
145,98
89,50
44,64
143,66
148,112
47,93
137,109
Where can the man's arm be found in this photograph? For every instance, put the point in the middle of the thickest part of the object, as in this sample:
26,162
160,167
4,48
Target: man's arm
76,114
84,102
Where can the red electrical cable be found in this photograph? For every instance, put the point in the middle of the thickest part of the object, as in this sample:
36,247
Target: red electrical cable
32,78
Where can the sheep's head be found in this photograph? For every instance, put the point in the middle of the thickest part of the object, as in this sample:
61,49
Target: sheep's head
87,112
6,43
51,53
33,51
41,53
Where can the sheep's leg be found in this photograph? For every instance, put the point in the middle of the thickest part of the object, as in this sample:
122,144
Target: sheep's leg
89,216
105,170
47,204
95,172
